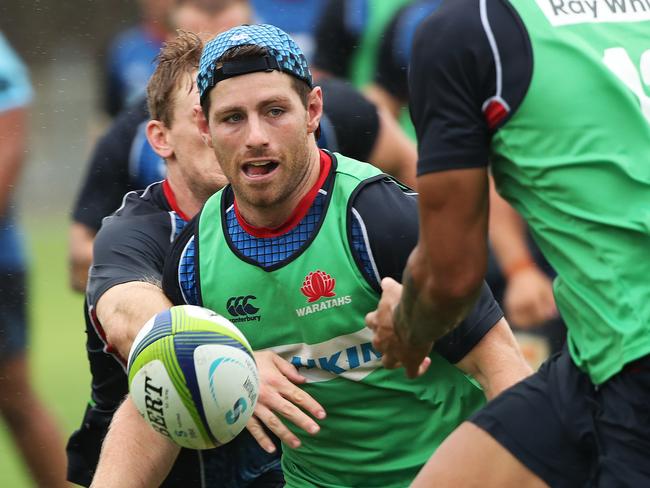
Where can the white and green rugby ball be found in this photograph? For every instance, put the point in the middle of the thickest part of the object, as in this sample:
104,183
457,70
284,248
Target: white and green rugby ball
192,377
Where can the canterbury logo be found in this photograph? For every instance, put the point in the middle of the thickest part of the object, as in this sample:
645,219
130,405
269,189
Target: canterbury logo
317,285
241,306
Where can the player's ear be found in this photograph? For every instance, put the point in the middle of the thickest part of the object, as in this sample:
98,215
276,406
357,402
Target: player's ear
202,124
158,138
314,109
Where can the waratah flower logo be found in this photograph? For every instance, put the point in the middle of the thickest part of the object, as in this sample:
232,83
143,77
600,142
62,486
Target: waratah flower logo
318,284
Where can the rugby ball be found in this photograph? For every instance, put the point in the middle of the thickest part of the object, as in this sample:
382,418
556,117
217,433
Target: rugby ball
192,377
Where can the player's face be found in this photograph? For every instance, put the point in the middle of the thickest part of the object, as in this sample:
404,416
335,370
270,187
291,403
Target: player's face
262,135
196,161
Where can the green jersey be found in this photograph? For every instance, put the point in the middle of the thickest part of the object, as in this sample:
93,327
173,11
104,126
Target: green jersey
364,60
574,159
381,427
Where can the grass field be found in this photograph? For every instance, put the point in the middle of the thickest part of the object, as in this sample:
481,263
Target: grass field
59,365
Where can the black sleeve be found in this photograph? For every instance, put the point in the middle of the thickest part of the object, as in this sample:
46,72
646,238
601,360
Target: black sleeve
389,214
354,118
335,43
107,176
170,281
455,100
460,341
129,248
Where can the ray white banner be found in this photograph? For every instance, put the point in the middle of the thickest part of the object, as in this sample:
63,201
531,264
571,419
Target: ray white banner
565,12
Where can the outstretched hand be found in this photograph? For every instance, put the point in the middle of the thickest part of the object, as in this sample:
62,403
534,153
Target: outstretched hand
278,394
396,352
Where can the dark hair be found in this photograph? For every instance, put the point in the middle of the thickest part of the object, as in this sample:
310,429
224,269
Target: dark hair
177,59
253,51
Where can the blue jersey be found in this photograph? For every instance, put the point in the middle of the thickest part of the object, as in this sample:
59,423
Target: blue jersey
15,92
130,64
297,17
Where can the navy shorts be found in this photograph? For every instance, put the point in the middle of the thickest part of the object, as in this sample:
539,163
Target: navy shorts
571,433
13,314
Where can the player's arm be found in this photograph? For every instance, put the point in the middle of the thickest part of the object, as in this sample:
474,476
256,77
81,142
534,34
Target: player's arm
393,152
444,273
123,309
368,133
133,454
80,254
100,194
528,298
496,361
13,142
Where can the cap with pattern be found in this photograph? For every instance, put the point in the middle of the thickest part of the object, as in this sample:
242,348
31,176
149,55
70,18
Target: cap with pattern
283,55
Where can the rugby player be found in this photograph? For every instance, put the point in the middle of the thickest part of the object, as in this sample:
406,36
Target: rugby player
555,96
124,291
310,234
28,420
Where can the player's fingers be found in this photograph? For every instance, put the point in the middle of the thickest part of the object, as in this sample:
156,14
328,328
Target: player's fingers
289,370
276,426
371,320
292,413
305,401
259,434
390,362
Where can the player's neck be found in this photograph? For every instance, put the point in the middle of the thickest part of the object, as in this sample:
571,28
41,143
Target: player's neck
268,219
182,199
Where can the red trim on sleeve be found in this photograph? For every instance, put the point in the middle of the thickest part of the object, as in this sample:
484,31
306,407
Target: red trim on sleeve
494,113
171,199
299,212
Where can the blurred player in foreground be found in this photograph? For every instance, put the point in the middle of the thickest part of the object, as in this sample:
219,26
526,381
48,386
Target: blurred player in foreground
308,235
558,102
30,424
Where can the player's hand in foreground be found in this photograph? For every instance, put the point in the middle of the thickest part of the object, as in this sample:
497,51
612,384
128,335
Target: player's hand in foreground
279,394
528,299
395,351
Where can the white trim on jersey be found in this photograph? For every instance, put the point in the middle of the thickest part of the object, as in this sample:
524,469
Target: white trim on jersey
366,241
497,60
172,217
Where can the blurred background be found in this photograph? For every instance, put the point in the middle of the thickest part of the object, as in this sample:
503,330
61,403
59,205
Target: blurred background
63,43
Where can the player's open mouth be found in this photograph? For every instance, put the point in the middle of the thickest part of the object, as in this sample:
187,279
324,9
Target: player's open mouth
259,169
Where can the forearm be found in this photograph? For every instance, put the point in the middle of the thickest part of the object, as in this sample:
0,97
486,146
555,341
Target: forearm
496,362
133,454
13,136
425,314
393,152
80,255
125,308
507,232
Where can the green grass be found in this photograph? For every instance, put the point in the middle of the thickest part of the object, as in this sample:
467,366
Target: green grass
57,345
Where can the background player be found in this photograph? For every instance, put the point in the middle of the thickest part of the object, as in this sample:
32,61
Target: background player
130,55
295,215
558,105
31,425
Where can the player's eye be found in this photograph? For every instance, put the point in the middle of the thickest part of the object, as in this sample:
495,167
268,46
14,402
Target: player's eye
233,118
275,112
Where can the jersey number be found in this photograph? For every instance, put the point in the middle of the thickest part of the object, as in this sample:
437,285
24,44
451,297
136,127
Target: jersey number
618,60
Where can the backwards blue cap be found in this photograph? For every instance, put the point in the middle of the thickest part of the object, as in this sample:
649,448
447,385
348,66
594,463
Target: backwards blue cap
283,55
